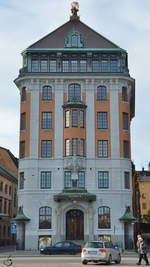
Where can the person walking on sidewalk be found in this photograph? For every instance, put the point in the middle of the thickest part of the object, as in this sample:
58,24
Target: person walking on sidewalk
141,250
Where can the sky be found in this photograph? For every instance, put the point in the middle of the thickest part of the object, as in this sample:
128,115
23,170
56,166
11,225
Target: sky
124,22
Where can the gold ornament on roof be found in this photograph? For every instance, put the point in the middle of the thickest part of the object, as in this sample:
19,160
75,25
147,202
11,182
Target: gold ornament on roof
74,8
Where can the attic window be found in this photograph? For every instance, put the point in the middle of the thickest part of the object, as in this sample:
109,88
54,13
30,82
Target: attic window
74,40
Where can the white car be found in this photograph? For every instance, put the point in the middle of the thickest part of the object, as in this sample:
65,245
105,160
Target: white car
100,251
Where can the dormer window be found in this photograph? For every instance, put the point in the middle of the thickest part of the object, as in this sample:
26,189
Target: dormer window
74,40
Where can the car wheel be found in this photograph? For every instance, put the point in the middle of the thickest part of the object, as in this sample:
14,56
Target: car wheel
84,262
118,260
109,260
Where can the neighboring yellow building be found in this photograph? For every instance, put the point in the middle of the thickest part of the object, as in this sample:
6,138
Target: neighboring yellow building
8,195
143,180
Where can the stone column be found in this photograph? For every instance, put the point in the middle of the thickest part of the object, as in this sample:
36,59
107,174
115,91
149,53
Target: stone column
34,119
58,119
58,223
114,123
20,244
90,121
90,218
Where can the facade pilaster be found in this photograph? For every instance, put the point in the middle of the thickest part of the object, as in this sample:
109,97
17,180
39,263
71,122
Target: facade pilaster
34,119
114,120
58,146
58,223
90,119
90,218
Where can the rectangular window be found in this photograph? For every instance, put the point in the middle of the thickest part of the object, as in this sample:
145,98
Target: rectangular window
81,180
21,180
102,120
1,186
103,179
102,148
23,94
95,66
127,180
46,93
81,119
52,66
113,66
74,146
46,120
1,205
23,121
5,206
104,66
22,149
124,94
10,190
126,149
67,179
44,65
74,65
46,149
74,118
101,93
67,118
143,206
67,147
82,147
45,180
6,188
35,65
65,66
125,121
83,65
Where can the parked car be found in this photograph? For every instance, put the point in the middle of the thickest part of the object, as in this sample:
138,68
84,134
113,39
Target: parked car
100,251
64,247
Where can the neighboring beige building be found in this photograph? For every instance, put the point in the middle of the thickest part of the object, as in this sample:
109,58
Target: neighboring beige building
143,180
8,195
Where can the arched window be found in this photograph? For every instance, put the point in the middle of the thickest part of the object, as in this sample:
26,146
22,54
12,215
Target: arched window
101,93
47,93
74,40
74,92
45,218
103,217
23,94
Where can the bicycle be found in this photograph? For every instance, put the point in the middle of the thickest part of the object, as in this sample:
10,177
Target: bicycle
8,261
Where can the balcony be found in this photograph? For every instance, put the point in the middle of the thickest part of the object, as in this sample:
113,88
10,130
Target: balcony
75,194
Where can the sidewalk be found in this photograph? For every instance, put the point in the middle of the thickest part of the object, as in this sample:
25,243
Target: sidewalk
6,251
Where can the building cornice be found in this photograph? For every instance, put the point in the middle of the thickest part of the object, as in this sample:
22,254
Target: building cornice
8,173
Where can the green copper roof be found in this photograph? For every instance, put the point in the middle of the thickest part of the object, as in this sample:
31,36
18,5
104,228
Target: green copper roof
75,194
72,49
20,216
74,104
128,216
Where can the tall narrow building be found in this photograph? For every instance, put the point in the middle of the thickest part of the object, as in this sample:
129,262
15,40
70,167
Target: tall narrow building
77,102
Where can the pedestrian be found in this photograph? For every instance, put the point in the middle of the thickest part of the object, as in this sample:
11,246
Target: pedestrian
141,247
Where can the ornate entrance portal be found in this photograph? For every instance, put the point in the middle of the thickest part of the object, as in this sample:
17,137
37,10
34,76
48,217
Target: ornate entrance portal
74,225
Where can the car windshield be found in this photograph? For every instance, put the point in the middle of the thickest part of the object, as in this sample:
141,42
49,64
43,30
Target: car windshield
94,245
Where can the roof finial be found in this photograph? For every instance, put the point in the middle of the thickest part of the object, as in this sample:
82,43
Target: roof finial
74,8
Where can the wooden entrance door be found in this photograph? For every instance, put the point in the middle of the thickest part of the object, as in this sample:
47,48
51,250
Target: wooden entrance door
74,225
